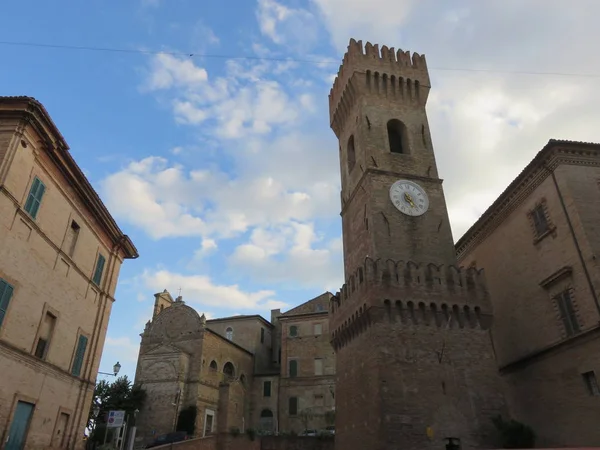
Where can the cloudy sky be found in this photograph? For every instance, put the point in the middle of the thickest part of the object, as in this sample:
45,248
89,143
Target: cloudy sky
216,156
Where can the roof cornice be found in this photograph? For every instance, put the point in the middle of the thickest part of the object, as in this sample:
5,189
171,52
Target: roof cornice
57,149
554,153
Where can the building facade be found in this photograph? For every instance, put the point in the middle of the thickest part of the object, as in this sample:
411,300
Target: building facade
229,369
415,366
60,256
539,243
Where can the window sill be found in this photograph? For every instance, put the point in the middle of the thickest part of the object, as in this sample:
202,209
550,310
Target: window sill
545,234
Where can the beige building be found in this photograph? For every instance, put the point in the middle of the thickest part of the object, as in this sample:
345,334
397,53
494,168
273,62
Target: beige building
229,371
539,244
60,255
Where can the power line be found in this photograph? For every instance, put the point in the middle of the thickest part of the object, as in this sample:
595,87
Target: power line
266,58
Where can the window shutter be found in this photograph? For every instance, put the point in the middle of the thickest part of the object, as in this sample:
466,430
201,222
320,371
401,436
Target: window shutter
6,291
99,268
79,354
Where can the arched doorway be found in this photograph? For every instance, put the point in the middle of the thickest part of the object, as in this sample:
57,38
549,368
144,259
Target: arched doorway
266,420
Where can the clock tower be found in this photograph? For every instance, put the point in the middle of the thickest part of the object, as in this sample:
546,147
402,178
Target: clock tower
415,365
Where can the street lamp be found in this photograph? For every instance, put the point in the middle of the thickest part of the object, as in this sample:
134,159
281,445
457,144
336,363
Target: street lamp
116,369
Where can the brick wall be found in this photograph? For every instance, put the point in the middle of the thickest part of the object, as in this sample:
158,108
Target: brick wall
35,259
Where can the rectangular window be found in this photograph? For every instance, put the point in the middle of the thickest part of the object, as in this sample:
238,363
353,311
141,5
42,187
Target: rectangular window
318,329
318,366
293,372
293,330
293,406
591,383
43,342
34,199
567,312
262,335
71,238
79,355
99,268
539,220
267,389
6,291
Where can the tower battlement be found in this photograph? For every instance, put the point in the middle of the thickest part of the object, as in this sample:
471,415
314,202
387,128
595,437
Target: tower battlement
396,67
415,292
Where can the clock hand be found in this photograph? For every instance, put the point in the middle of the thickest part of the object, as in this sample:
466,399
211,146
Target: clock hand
409,199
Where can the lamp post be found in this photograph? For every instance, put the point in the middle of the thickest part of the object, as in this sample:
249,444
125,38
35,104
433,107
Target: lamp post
116,369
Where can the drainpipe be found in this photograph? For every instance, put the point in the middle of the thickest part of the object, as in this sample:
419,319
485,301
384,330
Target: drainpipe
575,241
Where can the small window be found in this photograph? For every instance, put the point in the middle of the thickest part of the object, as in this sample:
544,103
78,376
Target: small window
293,372
293,331
262,335
567,312
318,307
34,199
71,239
351,154
229,333
99,269
318,329
213,366
591,383
293,406
540,221
318,366
45,335
267,389
396,137
79,355
6,292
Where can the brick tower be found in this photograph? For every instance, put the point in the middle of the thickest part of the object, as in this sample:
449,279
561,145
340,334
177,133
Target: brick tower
415,362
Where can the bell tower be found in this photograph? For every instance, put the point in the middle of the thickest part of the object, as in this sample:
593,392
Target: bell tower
415,363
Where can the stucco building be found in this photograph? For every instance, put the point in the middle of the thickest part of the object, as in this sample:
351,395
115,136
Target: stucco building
230,369
539,244
60,256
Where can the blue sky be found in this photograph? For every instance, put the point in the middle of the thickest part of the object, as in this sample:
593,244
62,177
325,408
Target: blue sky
223,170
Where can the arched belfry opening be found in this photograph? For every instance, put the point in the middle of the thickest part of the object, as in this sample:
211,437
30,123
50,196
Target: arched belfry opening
397,136
351,154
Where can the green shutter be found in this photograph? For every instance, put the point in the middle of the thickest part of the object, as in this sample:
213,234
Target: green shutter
293,368
267,389
6,291
34,199
79,354
99,268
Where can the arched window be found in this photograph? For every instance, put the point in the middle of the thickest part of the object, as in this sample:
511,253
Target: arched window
397,136
229,333
351,154
266,420
229,370
213,366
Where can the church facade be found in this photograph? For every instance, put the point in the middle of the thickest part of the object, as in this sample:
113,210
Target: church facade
237,372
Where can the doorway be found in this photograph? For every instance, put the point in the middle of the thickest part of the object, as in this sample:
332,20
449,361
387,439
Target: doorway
58,440
19,427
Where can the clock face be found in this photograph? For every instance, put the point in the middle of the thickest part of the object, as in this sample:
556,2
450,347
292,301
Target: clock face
410,198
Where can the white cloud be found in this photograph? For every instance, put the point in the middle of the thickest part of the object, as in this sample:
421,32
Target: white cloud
291,253
293,27
124,347
200,292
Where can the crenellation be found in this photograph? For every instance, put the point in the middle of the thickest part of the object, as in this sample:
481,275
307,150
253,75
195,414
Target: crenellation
466,287
376,66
